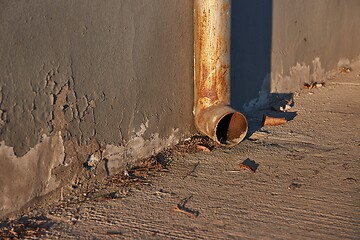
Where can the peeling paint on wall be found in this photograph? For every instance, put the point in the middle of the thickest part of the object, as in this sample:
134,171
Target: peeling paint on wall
30,176
95,75
100,76
117,157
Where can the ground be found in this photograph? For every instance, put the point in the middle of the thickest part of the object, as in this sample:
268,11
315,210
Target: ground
303,183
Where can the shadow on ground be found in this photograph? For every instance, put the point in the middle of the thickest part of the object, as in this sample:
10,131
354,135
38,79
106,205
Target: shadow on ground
251,34
272,109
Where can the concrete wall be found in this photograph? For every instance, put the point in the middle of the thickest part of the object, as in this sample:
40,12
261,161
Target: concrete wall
310,38
109,78
102,83
278,45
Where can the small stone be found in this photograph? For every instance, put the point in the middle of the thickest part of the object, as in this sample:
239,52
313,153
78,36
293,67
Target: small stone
285,108
345,69
93,160
121,193
319,85
294,185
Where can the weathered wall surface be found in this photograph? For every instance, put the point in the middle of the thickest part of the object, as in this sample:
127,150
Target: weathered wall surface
310,38
278,45
109,78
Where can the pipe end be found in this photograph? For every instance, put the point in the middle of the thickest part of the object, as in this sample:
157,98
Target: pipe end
222,124
231,129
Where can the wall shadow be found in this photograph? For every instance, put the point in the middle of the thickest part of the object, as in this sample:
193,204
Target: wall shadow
251,43
251,31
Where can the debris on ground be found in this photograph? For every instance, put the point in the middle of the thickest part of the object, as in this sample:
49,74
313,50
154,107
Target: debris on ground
181,208
281,108
123,183
345,69
294,185
191,146
121,193
202,148
283,105
163,192
25,228
273,121
246,167
258,136
147,167
187,211
313,85
93,160
114,233
249,165
350,179
193,170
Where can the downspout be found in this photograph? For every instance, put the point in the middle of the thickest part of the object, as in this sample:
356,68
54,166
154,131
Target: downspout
213,115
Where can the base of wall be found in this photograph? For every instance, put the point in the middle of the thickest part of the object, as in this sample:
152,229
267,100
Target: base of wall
54,166
30,176
281,84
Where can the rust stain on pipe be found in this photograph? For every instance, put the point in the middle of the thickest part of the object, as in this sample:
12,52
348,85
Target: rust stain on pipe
213,115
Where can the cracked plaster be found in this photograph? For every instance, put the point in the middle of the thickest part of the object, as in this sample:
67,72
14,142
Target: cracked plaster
95,75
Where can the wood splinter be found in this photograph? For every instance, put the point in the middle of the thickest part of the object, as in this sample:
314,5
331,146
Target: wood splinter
271,121
202,148
247,167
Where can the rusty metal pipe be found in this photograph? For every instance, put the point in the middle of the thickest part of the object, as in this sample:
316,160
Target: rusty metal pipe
213,115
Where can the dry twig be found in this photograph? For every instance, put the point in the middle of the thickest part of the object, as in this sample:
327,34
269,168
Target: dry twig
182,209
188,212
271,121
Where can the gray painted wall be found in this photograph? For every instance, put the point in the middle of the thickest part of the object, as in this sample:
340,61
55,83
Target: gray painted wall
117,73
313,37
125,63
278,45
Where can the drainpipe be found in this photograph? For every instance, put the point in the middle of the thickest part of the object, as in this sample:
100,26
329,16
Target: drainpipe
213,115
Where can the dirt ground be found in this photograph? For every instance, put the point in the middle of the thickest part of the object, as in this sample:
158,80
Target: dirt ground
299,180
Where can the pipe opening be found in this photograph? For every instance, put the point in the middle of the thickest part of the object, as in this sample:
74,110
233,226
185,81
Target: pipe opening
231,129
